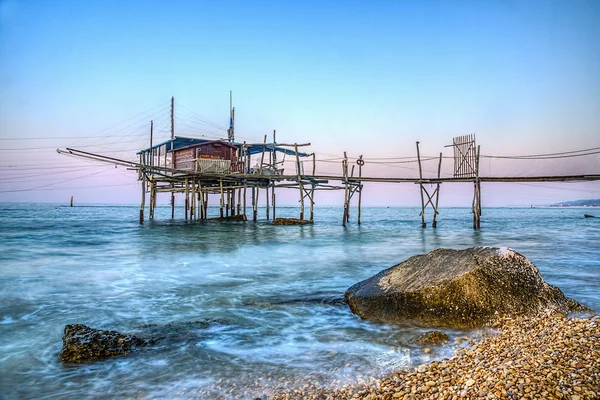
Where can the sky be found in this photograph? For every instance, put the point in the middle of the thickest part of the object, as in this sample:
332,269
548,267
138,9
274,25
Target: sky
368,78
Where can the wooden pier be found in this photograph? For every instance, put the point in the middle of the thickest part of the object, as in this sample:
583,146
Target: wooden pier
197,168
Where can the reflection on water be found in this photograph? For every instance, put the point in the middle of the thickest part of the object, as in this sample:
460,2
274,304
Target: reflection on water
239,307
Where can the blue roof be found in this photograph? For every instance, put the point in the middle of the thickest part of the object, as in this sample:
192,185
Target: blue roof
259,148
177,143
181,142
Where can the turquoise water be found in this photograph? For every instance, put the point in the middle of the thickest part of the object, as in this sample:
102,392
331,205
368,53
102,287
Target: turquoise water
249,306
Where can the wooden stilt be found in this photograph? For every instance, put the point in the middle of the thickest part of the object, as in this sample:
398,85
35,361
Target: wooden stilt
142,205
423,223
151,199
201,200
206,206
193,200
254,204
312,203
437,195
222,204
232,202
239,200
267,206
244,203
227,202
187,198
273,198
299,179
346,188
172,203
360,164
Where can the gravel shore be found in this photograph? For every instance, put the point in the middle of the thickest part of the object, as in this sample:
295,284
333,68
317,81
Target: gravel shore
550,357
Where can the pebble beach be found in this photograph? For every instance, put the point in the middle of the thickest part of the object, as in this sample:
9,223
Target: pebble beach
548,357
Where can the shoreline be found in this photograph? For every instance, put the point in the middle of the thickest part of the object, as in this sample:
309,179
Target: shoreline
548,357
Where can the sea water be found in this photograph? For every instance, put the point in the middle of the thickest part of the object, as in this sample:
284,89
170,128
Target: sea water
240,308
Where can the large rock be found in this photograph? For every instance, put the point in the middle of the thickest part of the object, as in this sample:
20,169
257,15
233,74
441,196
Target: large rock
82,343
457,289
291,221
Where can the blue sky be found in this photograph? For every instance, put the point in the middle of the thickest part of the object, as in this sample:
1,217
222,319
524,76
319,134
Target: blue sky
366,77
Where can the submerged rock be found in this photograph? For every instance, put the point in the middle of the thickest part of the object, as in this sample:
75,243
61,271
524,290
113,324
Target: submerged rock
291,221
82,343
589,216
431,338
458,289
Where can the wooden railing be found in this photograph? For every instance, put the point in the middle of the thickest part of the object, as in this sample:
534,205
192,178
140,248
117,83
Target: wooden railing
213,166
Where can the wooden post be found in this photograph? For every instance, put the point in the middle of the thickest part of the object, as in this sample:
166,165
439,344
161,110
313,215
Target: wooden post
172,118
346,188
299,177
254,205
233,202
172,202
267,207
262,156
273,197
187,198
478,190
193,194
227,202
275,168
153,200
314,164
239,200
222,200
360,164
437,194
150,197
143,205
201,199
423,223
312,203
206,206
244,203
71,203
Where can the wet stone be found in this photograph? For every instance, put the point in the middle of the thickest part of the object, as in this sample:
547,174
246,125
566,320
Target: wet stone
82,343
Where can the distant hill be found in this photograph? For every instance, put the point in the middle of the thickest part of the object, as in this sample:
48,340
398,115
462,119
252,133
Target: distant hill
578,203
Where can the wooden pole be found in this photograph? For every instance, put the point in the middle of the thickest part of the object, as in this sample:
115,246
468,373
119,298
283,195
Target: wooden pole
153,201
267,207
187,198
437,194
312,203
244,203
239,201
71,203
222,200
201,199
206,206
273,198
193,208
143,205
301,186
254,206
227,194
172,117
478,188
346,189
360,164
423,223
262,156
